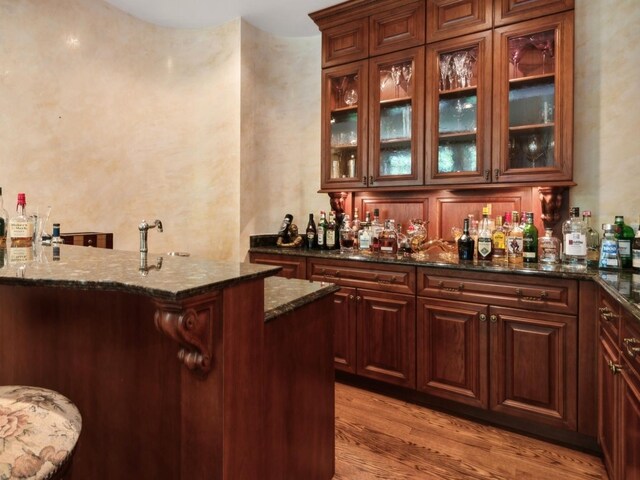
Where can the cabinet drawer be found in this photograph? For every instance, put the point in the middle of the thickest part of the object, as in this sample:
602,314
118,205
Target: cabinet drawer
292,267
453,18
630,337
547,295
388,278
345,43
397,29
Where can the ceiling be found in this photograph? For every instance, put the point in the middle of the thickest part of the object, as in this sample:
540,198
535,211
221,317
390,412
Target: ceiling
287,18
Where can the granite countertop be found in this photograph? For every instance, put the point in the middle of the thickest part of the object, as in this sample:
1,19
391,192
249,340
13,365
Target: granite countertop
283,295
102,269
624,286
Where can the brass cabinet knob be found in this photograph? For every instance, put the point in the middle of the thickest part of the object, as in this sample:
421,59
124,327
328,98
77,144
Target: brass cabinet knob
358,298
351,297
493,318
483,317
364,180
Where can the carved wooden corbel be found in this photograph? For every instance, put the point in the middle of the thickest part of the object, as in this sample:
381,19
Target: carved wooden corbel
191,326
550,203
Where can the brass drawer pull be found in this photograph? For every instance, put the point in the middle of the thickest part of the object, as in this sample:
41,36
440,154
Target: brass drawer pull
493,318
459,288
483,317
632,351
539,298
614,367
386,282
607,314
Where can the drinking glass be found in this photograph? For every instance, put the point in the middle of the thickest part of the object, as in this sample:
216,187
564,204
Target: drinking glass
517,49
445,67
544,43
406,74
533,149
396,75
459,64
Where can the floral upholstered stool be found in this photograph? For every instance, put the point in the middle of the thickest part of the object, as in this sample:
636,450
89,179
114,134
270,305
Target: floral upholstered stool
39,429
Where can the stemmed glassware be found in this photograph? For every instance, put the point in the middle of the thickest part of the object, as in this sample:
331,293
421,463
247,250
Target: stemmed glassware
445,68
459,64
406,73
517,48
544,43
340,86
396,75
533,149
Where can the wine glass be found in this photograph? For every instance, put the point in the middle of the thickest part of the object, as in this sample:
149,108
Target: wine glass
533,149
340,86
406,74
544,43
445,67
459,64
517,48
396,75
469,62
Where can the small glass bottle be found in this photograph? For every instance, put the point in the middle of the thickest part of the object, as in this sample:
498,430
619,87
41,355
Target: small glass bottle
404,245
466,245
21,226
609,253
473,229
625,237
376,229
364,235
515,240
322,230
4,223
347,235
574,240
548,248
593,240
388,238
530,240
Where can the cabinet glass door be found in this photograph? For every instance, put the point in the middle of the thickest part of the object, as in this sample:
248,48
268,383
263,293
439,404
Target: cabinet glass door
344,126
396,99
458,106
535,115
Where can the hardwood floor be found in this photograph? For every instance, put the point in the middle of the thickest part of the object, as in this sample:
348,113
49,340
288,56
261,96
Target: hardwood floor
378,437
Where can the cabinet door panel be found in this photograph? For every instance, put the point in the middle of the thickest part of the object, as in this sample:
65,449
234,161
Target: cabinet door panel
397,29
608,387
344,340
452,340
630,425
511,11
533,372
386,337
452,18
345,43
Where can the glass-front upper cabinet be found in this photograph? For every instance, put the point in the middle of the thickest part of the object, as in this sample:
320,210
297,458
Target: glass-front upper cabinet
459,110
533,113
397,116
344,132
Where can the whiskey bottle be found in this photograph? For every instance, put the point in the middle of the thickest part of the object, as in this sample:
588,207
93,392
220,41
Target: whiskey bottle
312,233
593,240
21,226
347,235
530,240
485,242
331,239
574,240
465,243
498,238
4,223
548,248
388,239
322,230
625,238
515,240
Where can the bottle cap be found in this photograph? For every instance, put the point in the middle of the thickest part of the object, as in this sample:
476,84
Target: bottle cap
22,199
586,213
376,212
574,211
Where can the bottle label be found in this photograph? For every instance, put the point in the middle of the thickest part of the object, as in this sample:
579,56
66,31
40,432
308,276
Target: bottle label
365,241
624,247
498,241
311,236
3,233
484,247
531,255
575,244
331,238
18,255
515,246
636,258
320,235
21,229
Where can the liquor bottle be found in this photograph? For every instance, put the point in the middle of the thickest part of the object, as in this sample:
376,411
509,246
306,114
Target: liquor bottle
404,245
574,240
388,238
485,242
548,248
376,228
312,233
21,226
625,238
322,230
635,252
356,224
530,241
364,235
284,228
507,223
331,240
347,235
593,240
473,229
515,240
55,236
4,223
498,238
466,244
609,254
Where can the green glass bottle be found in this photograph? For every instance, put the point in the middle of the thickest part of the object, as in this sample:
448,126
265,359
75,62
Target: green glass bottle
624,235
530,241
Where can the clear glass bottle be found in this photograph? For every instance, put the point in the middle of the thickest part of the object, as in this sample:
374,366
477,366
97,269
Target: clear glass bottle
498,238
625,237
466,244
574,240
548,248
609,253
473,229
530,240
376,228
347,235
4,223
356,224
635,252
593,240
388,238
515,240
21,226
404,245
364,235
485,241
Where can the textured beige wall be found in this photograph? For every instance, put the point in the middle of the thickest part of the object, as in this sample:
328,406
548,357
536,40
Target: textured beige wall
607,116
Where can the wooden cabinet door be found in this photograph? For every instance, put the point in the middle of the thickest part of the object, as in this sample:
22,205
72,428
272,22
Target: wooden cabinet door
396,113
511,11
458,110
533,100
344,126
453,18
344,340
452,341
630,424
387,337
608,388
533,365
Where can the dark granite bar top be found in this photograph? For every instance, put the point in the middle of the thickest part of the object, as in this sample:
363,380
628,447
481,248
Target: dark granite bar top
624,286
283,295
87,268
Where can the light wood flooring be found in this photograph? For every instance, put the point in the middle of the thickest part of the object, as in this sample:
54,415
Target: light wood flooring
378,437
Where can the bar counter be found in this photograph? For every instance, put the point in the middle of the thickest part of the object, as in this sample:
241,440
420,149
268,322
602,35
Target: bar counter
180,367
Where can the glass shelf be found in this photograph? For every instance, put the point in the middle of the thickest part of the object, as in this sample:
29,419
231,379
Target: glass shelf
457,114
395,161
532,103
457,155
395,122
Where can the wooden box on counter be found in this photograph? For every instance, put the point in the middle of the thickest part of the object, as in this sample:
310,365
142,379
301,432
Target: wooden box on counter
88,239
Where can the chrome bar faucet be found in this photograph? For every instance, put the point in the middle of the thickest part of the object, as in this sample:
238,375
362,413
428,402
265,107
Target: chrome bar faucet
144,228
